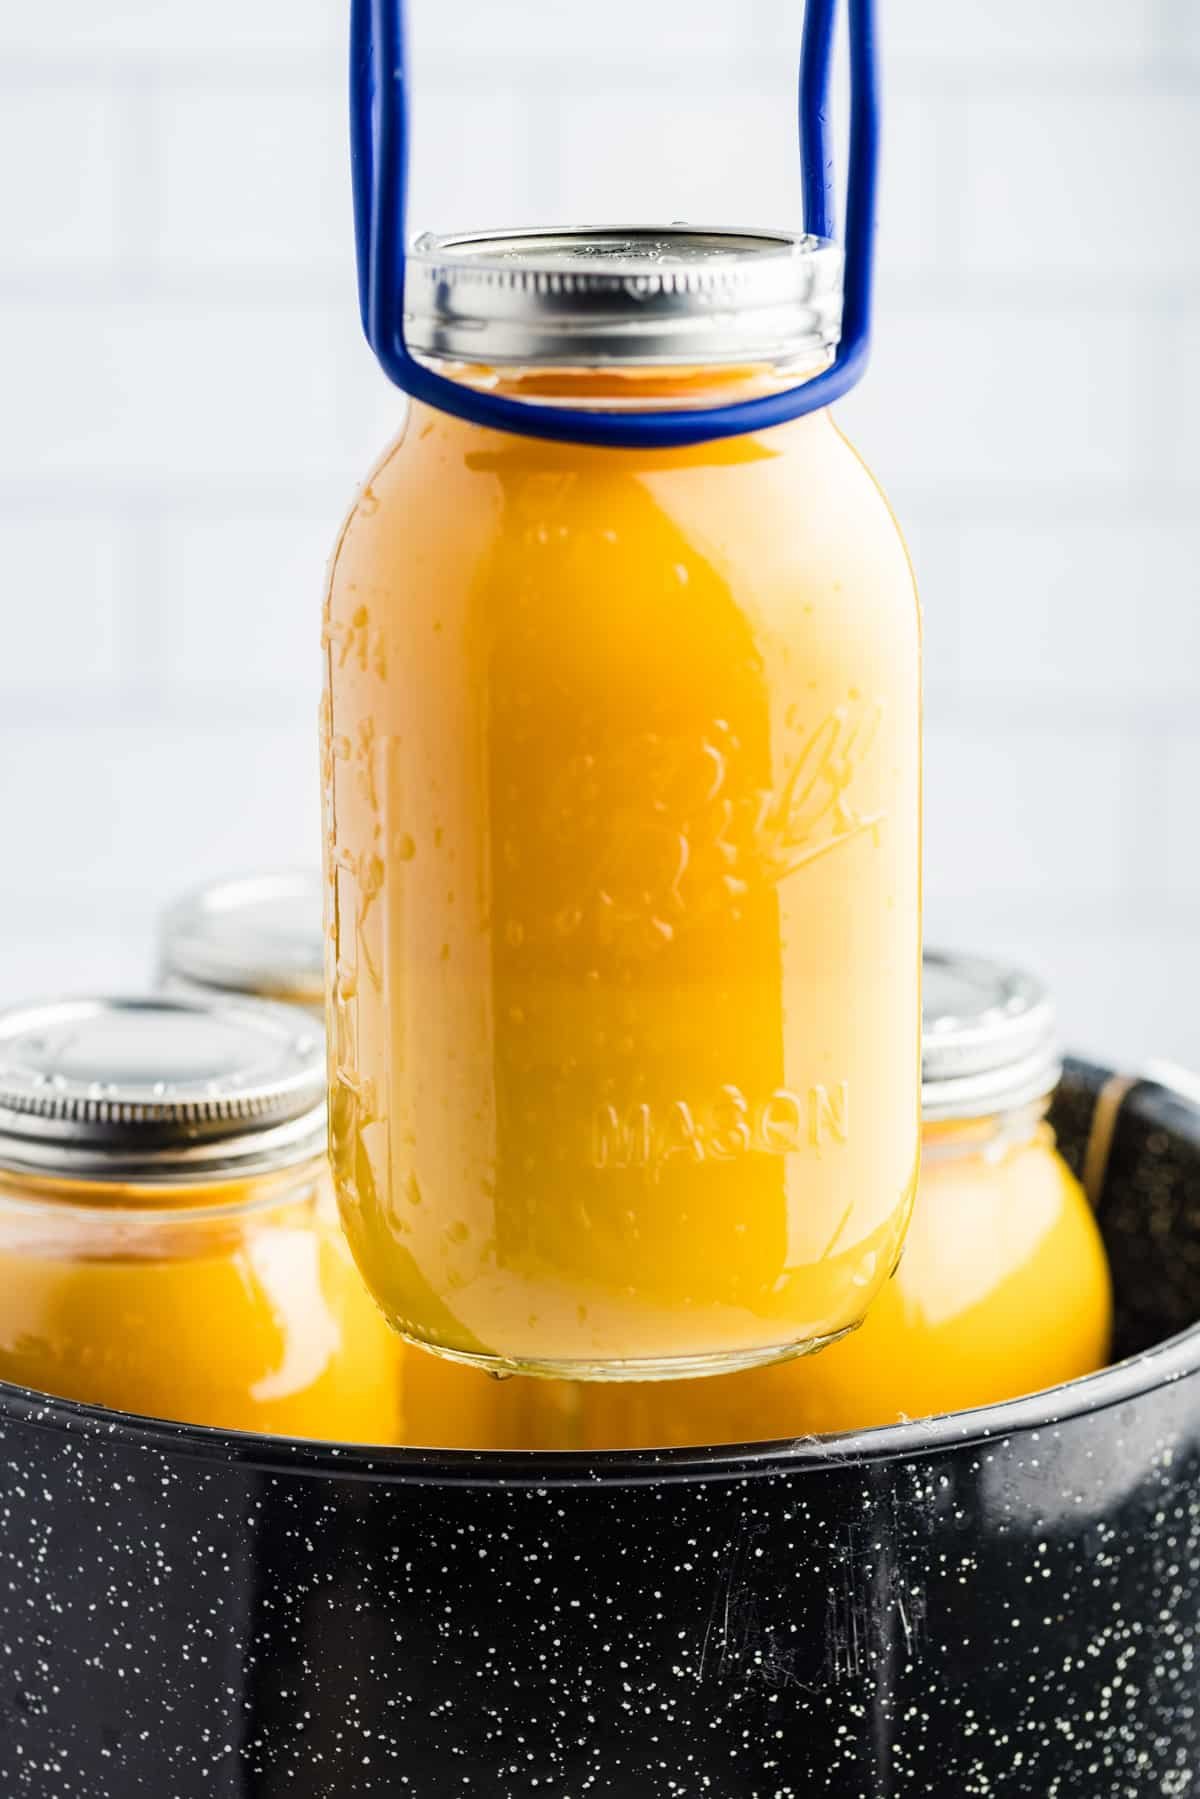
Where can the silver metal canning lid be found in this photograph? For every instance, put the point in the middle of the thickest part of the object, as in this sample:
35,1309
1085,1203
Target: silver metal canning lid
260,934
623,294
159,1089
989,1041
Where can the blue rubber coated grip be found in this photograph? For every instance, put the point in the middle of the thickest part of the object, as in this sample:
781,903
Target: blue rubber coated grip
379,154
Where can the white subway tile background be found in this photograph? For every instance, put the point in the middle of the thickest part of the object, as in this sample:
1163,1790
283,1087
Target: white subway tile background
187,406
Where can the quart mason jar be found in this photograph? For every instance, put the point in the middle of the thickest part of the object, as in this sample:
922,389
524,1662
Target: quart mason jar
168,1243
622,783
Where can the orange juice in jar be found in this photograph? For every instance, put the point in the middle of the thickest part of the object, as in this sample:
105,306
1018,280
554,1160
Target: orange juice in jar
1003,1288
622,774
168,1245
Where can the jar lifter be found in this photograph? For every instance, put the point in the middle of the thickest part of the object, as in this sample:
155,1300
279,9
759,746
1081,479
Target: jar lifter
379,129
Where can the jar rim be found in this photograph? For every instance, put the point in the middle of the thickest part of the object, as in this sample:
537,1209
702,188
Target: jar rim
154,1198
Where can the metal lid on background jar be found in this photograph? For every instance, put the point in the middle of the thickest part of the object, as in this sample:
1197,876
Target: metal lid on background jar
159,1089
259,934
989,1040
595,296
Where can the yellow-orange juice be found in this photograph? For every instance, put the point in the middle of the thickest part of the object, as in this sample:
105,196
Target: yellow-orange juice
623,784
236,1306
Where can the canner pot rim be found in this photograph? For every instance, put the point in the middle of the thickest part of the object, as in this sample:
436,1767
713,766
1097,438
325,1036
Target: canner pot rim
1116,1385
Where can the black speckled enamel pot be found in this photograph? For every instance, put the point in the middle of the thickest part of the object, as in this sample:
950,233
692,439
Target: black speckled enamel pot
1001,1602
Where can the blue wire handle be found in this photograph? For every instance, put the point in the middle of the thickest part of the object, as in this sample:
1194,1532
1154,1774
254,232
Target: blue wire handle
379,132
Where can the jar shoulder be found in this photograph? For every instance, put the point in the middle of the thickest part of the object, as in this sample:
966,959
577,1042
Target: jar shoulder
797,511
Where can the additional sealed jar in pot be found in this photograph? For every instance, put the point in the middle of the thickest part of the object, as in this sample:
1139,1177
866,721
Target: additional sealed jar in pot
622,783
168,1242
258,934
1003,1288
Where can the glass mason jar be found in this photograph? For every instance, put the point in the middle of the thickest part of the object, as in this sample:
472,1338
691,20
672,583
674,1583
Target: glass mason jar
260,935
1003,1288
168,1242
622,780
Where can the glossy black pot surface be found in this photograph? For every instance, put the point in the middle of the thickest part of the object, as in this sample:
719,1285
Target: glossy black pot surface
1002,1602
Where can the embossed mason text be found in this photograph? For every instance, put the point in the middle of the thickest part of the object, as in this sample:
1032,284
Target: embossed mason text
654,1136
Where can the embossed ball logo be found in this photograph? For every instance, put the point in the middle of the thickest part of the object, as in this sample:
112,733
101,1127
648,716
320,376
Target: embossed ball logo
663,835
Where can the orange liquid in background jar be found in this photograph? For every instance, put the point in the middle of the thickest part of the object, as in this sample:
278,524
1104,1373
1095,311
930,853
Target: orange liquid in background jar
622,776
235,1305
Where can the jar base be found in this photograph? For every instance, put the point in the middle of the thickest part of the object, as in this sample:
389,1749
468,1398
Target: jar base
694,1367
